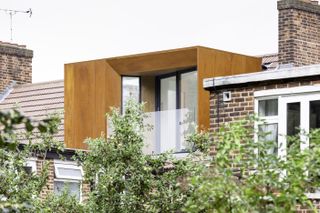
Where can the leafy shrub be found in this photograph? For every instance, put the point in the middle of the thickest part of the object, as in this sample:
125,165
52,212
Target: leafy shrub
245,177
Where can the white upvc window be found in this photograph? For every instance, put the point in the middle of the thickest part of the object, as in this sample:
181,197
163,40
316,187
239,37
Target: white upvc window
267,110
297,109
68,171
68,176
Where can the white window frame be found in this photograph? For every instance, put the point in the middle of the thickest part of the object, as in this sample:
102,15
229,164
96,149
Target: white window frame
67,166
303,95
65,178
71,181
265,119
287,91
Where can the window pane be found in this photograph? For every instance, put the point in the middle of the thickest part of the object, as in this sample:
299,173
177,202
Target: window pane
188,114
168,93
70,173
270,136
314,123
28,169
189,95
268,107
73,188
130,89
293,118
314,114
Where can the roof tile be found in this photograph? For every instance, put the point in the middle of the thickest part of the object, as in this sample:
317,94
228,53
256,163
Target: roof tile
37,101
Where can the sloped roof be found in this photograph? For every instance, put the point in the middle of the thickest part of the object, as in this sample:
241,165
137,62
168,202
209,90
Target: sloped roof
270,58
37,101
270,61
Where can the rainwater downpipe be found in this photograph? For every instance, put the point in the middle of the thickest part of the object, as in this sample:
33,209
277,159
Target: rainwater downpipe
218,106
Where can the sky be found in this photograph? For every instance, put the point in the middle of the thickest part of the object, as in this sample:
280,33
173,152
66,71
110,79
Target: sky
66,31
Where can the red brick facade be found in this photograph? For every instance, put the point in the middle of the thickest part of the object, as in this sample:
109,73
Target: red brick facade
299,32
15,64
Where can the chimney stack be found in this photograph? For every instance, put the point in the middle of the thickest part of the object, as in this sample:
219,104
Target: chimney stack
299,32
15,64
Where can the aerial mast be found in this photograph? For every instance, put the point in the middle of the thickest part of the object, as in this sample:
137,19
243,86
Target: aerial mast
11,13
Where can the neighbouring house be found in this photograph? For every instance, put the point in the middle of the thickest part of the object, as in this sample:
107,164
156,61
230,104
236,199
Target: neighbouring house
171,83
287,97
38,101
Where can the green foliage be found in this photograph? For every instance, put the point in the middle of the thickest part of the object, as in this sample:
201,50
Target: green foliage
59,204
9,120
199,141
245,177
18,189
126,180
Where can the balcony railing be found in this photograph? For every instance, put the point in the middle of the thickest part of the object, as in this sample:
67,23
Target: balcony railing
169,131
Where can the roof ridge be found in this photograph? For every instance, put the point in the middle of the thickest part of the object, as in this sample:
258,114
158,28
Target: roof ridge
38,83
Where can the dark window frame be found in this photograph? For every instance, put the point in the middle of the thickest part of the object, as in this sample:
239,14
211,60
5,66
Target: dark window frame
177,74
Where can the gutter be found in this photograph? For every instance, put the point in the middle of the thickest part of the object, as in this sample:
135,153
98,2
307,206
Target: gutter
55,154
278,74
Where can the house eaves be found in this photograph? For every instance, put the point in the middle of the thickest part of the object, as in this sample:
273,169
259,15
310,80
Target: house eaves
278,74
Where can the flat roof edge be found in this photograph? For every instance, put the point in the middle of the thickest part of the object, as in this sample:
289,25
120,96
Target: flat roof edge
278,74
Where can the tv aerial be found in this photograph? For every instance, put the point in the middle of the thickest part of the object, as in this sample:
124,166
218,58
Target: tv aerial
11,13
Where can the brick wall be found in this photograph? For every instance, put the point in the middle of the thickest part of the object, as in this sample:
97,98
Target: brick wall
242,105
242,102
15,64
49,187
299,32
304,209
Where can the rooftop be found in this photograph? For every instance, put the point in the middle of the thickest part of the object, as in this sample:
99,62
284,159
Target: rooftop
269,75
37,101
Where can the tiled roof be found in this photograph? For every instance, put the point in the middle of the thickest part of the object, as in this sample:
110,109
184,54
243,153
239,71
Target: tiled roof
270,61
270,58
37,101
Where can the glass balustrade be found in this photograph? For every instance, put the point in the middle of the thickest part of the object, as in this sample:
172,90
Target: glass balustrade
169,130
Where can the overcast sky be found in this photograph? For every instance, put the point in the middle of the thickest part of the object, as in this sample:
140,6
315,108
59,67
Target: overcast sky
64,31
